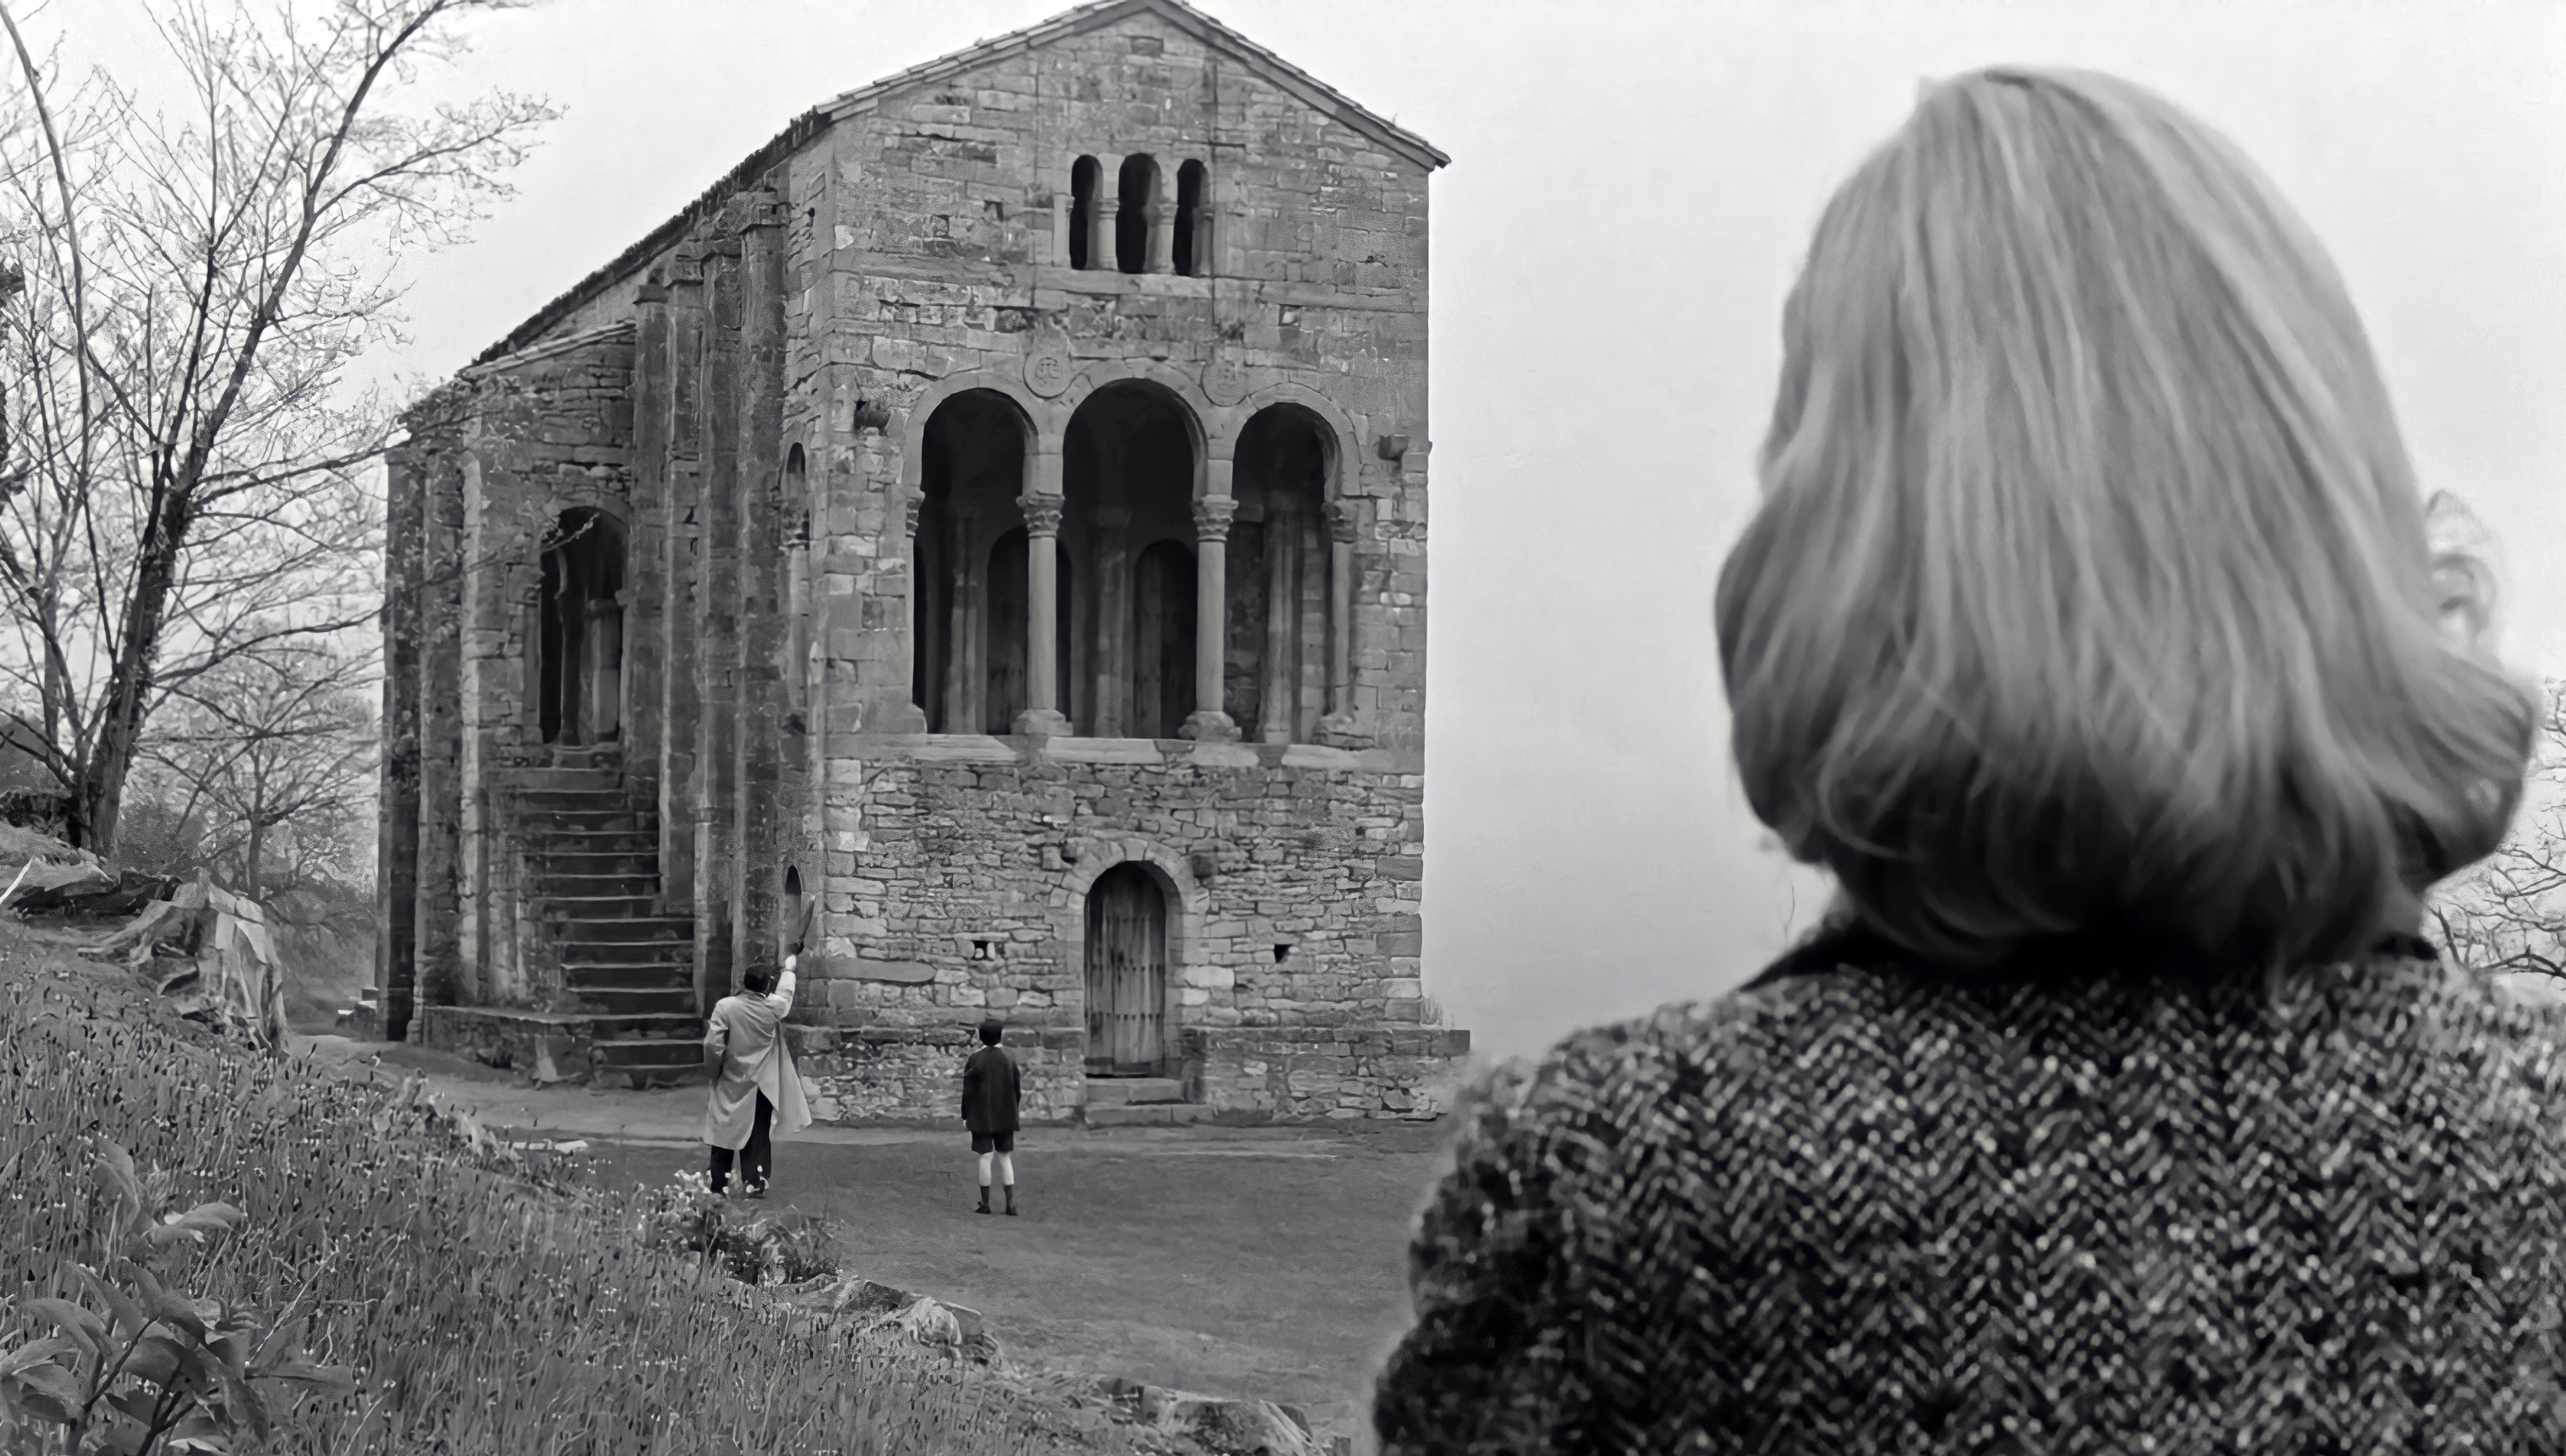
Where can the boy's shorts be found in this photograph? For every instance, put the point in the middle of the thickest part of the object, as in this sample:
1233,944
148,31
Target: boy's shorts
994,1142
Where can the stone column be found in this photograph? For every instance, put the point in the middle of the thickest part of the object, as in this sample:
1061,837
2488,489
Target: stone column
1042,716
645,583
446,551
962,658
717,603
1209,723
1341,612
396,823
910,508
680,576
1278,696
1163,226
757,837
1101,217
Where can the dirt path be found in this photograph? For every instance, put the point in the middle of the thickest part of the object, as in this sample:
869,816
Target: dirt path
1264,1262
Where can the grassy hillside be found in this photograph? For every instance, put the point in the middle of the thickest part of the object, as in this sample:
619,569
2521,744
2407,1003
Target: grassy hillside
481,1308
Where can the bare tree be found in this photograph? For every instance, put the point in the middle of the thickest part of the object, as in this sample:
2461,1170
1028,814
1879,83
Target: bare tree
2507,914
182,491
263,772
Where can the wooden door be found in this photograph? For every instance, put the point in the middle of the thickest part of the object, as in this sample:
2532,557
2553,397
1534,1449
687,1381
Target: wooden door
1127,972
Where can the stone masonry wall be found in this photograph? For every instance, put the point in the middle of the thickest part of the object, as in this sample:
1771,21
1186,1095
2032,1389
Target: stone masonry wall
964,894
1310,1074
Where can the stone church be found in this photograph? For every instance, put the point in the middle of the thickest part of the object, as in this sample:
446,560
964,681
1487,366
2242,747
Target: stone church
984,537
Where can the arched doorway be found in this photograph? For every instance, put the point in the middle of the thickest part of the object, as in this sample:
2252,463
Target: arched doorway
580,647
1127,973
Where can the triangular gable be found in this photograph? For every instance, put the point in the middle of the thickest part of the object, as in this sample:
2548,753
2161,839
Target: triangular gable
1316,94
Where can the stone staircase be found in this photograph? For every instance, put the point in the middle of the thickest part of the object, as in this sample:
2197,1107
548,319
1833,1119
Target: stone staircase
1139,1101
627,970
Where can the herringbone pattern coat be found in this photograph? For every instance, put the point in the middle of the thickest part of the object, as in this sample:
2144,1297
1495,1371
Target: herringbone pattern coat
1860,1209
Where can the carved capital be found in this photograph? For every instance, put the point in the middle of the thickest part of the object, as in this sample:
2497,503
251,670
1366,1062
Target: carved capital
759,209
1342,520
1213,514
654,290
1042,514
686,267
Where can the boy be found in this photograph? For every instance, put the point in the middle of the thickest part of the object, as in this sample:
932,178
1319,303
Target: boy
989,1096
753,1077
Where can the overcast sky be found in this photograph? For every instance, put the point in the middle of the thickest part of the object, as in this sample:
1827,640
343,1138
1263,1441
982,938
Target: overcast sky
1631,186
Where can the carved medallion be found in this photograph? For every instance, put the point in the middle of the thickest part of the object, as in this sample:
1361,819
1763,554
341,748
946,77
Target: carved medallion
1225,381
1048,365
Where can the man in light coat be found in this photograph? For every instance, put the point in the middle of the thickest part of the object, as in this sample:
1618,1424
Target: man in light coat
755,1086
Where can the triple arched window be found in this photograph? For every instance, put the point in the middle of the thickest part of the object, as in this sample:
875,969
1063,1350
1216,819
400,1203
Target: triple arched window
1132,222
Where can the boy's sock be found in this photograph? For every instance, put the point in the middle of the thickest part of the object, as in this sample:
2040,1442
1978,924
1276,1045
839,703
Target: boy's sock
1011,1200
984,1198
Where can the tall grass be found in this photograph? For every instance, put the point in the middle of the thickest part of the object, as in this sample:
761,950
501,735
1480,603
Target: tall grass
485,1312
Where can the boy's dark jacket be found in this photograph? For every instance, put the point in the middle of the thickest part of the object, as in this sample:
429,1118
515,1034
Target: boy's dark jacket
989,1091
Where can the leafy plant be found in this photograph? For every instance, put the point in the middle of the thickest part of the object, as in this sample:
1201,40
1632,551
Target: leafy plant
689,1218
138,1367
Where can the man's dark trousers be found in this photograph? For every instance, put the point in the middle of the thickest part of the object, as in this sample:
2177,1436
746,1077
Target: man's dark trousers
757,1159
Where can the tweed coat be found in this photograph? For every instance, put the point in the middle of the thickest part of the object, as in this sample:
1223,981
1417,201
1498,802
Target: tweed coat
1863,1208
747,1032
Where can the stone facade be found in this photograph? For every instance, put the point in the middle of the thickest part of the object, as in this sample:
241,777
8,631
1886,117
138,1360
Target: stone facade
711,595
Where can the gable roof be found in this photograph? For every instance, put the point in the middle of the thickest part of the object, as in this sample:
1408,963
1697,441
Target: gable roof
1206,30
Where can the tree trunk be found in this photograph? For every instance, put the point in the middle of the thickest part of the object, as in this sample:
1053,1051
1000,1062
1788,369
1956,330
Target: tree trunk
101,797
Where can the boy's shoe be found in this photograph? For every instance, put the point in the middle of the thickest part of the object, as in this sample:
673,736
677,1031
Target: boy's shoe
757,1191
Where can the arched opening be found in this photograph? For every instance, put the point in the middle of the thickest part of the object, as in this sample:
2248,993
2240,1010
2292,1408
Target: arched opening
972,469
1083,176
796,584
1137,212
1008,580
1278,576
1128,479
1193,222
580,651
1127,973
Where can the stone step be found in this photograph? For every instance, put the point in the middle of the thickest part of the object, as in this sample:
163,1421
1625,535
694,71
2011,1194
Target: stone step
580,980
574,780
604,795
630,1028
572,910
584,861
552,842
1147,1114
626,883
611,1003
577,922
603,817
1125,1091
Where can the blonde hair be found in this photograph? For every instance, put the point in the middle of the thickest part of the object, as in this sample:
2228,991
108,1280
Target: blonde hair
2090,592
